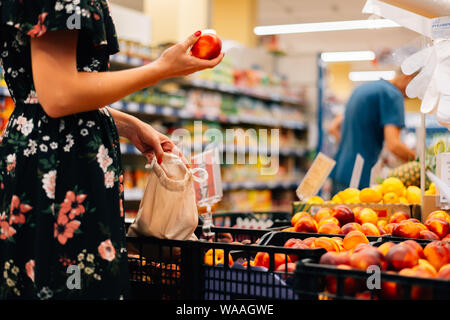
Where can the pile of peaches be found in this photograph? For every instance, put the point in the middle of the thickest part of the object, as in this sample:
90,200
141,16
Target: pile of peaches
342,220
407,258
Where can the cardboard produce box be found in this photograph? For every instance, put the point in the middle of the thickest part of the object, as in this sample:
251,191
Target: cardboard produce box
384,210
430,204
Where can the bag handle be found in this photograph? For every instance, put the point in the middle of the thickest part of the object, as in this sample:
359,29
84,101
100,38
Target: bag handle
204,173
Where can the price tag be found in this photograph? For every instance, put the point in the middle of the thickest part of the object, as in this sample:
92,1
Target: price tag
315,177
210,190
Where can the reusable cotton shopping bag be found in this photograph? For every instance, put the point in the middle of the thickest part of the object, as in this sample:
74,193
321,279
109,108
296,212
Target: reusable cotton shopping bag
168,209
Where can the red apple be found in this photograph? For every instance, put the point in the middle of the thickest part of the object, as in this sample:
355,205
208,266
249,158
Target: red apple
208,47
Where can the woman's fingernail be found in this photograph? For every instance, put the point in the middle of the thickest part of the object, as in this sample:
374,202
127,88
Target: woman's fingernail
198,33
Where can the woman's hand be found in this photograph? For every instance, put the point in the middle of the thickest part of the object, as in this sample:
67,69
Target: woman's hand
151,142
176,61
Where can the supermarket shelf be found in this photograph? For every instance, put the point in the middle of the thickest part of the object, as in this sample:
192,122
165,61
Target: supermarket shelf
4,91
127,148
167,111
232,89
121,61
256,185
137,194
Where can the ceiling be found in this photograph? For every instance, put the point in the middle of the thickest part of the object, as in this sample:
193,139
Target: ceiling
303,11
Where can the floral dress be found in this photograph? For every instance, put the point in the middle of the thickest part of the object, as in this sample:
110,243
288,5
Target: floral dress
61,194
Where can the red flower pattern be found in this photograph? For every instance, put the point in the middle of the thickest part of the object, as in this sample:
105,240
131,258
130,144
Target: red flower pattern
17,210
64,229
72,205
39,29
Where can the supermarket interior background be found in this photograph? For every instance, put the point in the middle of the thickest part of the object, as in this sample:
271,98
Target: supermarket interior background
265,81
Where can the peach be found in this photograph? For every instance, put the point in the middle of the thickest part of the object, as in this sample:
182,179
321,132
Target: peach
306,224
437,253
440,214
390,227
384,248
335,258
446,238
353,238
439,226
367,257
402,256
414,220
369,229
344,214
444,272
351,285
416,246
407,229
425,266
322,213
299,215
351,226
381,223
329,228
328,220
381,230
290,242
360,246
398,217
428,235
326,243
367,215
309,241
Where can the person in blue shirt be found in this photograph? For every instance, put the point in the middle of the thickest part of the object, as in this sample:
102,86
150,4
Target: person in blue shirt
374,116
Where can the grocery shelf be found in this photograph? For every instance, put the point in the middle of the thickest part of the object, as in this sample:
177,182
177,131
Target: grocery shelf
168,111
136,194
127,148
124,62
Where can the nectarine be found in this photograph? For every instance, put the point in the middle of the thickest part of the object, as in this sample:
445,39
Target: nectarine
344,214
306,224
369,229
367,215
353,238
439,226
351,226
438,253
398,217
329,228
402,256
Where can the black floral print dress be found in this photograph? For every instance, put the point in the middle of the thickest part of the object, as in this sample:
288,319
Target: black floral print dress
61,195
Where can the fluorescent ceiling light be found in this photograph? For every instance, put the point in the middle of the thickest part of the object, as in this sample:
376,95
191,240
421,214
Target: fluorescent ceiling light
325,26
348,56
371,75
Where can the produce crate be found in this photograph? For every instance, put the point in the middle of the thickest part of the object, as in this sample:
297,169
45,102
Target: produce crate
172,270
384,210
388,237
273,219
279,238
223,234
311,280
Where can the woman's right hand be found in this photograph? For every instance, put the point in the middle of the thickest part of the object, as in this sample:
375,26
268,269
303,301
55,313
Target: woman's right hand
176,61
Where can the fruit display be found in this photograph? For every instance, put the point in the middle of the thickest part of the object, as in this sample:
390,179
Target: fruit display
407,258
391,191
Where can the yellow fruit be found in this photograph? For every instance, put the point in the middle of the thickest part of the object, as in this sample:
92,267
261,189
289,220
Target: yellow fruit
378,188
393,185
336,199
403,200
369,195
391,197
352,200
429,192
349,194
432,187
315,199
413,195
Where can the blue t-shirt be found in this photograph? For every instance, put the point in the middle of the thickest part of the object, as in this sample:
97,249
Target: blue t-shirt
371,106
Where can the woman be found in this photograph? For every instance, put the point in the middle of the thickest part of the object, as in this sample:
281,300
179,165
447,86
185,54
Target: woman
61,192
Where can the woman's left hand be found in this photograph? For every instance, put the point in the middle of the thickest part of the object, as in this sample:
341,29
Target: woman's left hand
151,142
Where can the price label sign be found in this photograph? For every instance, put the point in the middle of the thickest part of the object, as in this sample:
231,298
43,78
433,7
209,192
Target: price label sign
315,177
208,191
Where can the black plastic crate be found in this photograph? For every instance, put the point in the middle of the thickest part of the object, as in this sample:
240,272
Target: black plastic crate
387,238
279,238
311,281
170,269
223,234
275,219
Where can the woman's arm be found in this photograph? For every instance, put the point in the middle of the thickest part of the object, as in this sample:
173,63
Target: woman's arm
63,90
